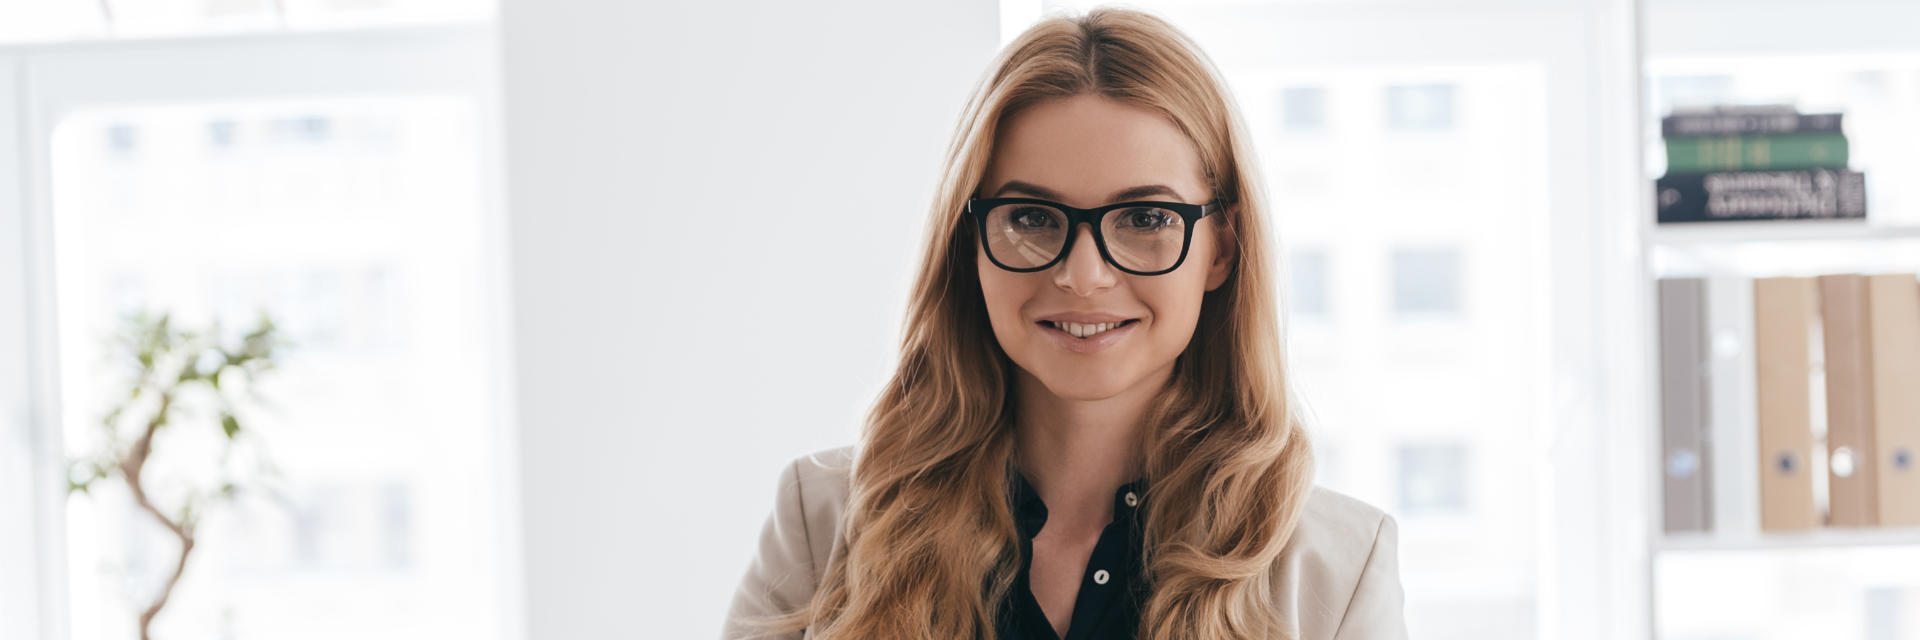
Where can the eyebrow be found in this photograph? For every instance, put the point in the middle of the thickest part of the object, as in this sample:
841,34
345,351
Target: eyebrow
1129,193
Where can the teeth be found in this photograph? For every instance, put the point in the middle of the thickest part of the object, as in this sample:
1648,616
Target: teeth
1083,330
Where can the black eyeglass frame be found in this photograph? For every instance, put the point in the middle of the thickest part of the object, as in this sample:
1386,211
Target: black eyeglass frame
1189,213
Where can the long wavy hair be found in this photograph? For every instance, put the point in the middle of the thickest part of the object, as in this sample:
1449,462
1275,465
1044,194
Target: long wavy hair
931,546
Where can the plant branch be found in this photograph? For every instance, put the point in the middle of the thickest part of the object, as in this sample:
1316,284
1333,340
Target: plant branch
130,468
156,348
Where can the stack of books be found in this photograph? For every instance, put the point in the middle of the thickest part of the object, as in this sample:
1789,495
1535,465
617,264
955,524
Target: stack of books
1767,162
1790,403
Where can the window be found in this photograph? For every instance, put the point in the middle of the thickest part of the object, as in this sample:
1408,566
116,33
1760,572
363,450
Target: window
1426,282
354,222
1328,465
1427,107
353,203
1433,479
1302,109
1309,294
333,529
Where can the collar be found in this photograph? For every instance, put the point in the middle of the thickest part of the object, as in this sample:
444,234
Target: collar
1030,513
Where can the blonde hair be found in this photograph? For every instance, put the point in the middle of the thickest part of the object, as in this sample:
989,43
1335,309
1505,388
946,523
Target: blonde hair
931,546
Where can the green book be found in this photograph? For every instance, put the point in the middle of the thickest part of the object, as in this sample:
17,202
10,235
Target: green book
1757,152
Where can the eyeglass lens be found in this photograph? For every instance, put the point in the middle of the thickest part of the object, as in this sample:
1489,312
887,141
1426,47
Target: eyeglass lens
1024,236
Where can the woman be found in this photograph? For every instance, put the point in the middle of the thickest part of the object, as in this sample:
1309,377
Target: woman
1089,434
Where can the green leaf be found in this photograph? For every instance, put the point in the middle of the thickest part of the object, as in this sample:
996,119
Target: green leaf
229,425
81,474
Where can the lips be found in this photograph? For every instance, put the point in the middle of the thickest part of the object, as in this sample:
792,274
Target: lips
1091,337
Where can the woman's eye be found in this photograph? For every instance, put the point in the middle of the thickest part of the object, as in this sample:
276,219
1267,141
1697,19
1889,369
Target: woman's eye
1146,219
1033,218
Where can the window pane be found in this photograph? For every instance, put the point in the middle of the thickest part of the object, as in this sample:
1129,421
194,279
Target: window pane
1427,107
1426,282
1428,393
1309,296
1302,109
1433,478
355,224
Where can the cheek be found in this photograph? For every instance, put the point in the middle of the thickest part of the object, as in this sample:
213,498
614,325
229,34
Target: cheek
1175,300
1001,294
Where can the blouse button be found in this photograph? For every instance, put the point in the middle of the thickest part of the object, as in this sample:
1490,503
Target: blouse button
1100,577
1132,500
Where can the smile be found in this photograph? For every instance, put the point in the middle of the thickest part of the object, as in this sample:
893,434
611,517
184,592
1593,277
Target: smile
1087,338
1084,331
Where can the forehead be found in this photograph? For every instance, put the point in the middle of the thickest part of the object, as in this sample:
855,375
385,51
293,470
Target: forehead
1088,147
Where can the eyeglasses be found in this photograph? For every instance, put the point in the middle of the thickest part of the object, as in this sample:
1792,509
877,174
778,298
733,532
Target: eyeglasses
1144,238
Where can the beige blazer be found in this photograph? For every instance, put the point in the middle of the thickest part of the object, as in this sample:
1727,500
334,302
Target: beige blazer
1338,578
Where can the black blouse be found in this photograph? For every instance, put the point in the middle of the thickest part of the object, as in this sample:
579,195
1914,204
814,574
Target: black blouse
1111,590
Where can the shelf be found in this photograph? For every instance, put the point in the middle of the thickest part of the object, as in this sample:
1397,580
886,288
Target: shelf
1685,234
1814,539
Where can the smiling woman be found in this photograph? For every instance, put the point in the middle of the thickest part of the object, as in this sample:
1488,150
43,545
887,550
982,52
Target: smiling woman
1082,444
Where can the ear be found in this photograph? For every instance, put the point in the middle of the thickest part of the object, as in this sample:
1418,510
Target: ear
1226,249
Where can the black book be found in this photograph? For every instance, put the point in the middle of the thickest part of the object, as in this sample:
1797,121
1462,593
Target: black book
1698,125
1761,195
1744,120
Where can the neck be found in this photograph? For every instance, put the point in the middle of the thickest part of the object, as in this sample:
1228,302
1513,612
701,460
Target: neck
1076,453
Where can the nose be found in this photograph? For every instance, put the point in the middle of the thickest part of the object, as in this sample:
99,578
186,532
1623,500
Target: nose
1084,272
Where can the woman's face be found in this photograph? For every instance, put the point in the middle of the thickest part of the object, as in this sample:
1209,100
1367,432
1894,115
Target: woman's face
1084,151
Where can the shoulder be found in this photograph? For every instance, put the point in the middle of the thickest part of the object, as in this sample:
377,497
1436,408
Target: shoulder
1338,524
818,483
826,463
796,543
1341,564
823,475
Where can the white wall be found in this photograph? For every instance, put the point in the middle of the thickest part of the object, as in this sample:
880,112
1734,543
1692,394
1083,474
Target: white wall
715,210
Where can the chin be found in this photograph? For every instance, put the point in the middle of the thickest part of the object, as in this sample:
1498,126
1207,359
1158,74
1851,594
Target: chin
1072,383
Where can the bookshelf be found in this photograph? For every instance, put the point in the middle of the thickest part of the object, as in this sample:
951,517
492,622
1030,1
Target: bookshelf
1784,252
1707,234
1815,539
1733,579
